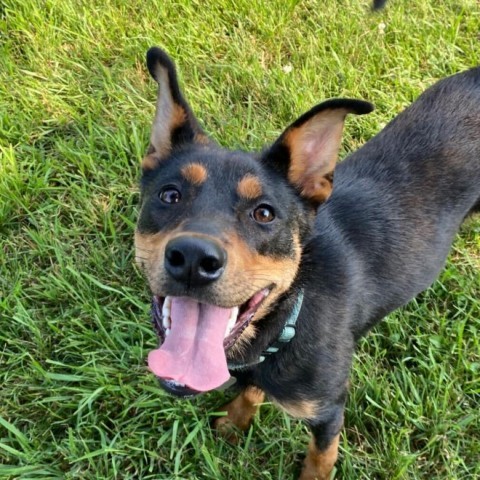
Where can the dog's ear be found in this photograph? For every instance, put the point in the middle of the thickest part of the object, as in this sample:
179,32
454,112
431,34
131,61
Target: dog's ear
174,124
307,151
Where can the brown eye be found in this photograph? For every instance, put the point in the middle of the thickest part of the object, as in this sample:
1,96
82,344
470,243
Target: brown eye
170,195
263,214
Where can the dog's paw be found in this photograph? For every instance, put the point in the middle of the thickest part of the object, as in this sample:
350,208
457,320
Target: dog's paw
227,429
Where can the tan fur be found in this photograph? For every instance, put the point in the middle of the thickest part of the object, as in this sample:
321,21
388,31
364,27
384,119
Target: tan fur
195,173
168,116
201,139
261,270
247,272
240,413
301,409
318,465
178,118
317,188
149,254
249,187
311,168
150,161
267,270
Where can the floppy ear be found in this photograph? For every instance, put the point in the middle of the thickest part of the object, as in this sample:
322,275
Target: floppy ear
307,150
174,124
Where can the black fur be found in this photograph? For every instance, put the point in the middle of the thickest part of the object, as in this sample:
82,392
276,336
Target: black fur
380,239
378,4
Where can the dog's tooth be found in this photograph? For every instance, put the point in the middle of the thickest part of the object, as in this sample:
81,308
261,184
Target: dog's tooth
232,321
167,332
166,320
167,303
233,317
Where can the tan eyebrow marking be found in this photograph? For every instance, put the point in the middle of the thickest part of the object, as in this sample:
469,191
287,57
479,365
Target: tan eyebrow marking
194,173
249,187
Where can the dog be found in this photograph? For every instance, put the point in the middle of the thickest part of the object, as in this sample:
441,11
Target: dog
266,268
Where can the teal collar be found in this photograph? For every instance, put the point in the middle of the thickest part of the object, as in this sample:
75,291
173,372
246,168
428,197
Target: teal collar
287,333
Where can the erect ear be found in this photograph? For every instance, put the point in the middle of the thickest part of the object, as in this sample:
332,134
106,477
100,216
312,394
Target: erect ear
174,123
307,150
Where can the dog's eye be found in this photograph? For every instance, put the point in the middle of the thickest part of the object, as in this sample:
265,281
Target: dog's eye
170,195
263,214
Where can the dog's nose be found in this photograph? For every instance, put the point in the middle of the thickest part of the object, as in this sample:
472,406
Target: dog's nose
194,261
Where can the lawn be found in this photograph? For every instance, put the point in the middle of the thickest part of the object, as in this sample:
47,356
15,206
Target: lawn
76,102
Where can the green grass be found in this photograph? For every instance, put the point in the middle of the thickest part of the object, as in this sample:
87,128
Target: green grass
76,400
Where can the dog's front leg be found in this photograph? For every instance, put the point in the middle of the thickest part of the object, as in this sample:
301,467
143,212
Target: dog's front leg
323,449
318,464
240,413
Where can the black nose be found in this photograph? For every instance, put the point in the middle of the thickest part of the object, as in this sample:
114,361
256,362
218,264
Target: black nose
194,261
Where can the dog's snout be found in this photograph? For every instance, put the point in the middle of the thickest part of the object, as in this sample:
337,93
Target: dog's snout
194,261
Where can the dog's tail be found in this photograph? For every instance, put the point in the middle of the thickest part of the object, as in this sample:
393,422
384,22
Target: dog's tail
378,4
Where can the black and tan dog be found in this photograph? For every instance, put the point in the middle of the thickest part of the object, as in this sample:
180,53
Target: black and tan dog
257,276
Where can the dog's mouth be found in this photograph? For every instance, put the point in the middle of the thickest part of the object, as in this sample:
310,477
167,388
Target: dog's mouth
194,339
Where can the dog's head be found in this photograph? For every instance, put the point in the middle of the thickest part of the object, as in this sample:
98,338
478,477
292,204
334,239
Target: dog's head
220,232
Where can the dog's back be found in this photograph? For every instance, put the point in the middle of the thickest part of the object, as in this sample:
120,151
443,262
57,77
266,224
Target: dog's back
399,200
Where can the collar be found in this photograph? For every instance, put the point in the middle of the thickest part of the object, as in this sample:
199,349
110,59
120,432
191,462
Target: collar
287,333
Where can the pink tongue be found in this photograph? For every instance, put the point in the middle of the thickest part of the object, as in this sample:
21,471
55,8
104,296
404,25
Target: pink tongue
193,352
